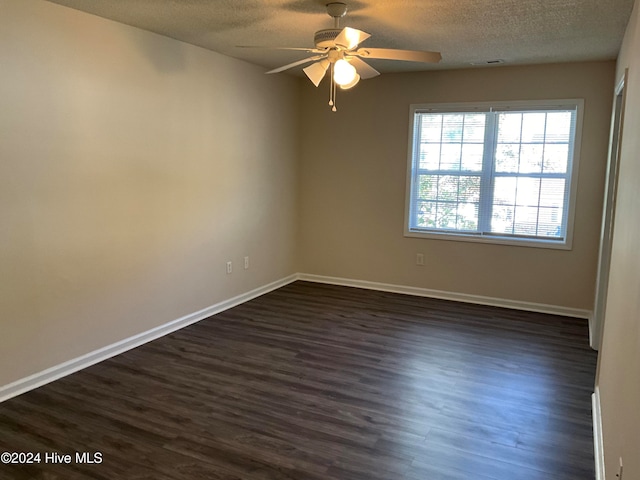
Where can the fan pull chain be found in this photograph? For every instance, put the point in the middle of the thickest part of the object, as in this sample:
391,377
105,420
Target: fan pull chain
332,91
333,85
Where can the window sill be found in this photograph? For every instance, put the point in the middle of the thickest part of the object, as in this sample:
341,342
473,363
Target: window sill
492,239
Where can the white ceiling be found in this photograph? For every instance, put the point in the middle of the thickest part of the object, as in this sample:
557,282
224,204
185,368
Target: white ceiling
464,31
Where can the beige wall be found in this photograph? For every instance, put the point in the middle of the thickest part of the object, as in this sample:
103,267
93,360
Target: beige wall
353,186
619,367
132,167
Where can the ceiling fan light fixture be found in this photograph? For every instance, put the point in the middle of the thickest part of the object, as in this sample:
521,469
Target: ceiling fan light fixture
316,71
344,73
351,84
349,38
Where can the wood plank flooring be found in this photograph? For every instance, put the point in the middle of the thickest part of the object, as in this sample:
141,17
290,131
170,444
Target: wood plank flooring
324,382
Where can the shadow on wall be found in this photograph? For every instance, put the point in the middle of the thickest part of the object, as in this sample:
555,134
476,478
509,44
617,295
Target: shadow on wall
170,58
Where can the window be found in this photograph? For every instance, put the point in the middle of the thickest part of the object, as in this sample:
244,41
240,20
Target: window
500,173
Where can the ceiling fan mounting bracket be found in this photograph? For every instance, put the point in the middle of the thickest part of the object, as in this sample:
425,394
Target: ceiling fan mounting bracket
326,38
337,9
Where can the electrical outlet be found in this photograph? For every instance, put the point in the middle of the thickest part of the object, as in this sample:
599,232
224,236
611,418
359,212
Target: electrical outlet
229,267
246,263
420,259
619,474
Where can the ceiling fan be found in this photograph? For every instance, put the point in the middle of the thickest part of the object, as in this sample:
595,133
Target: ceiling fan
338,51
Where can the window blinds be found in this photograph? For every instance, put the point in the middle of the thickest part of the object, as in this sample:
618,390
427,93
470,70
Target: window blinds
501,171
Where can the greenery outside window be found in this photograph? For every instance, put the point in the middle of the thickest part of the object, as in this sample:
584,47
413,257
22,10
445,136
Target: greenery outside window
499,172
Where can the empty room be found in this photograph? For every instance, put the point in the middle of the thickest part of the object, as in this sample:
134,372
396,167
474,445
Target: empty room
300,239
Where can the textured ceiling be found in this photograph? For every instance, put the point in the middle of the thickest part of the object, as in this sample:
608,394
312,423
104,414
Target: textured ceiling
464,31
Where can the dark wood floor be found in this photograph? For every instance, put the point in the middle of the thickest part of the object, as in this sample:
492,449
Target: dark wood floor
323,382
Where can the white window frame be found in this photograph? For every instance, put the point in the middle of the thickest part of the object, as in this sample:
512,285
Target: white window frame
574,156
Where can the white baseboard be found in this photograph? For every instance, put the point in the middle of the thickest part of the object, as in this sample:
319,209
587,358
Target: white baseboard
456,297
598,450
41,378
50,374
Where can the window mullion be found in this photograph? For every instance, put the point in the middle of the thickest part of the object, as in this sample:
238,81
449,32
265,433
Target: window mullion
486,181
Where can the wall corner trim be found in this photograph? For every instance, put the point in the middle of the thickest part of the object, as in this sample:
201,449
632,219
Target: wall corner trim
593,337
598,450
62,370
453,296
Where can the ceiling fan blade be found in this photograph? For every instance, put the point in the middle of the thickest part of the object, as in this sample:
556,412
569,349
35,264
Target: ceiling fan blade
349,38
295,64
300,49
363,68
317,71
405,55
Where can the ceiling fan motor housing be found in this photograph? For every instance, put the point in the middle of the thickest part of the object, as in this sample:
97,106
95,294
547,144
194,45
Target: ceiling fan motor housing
326,38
